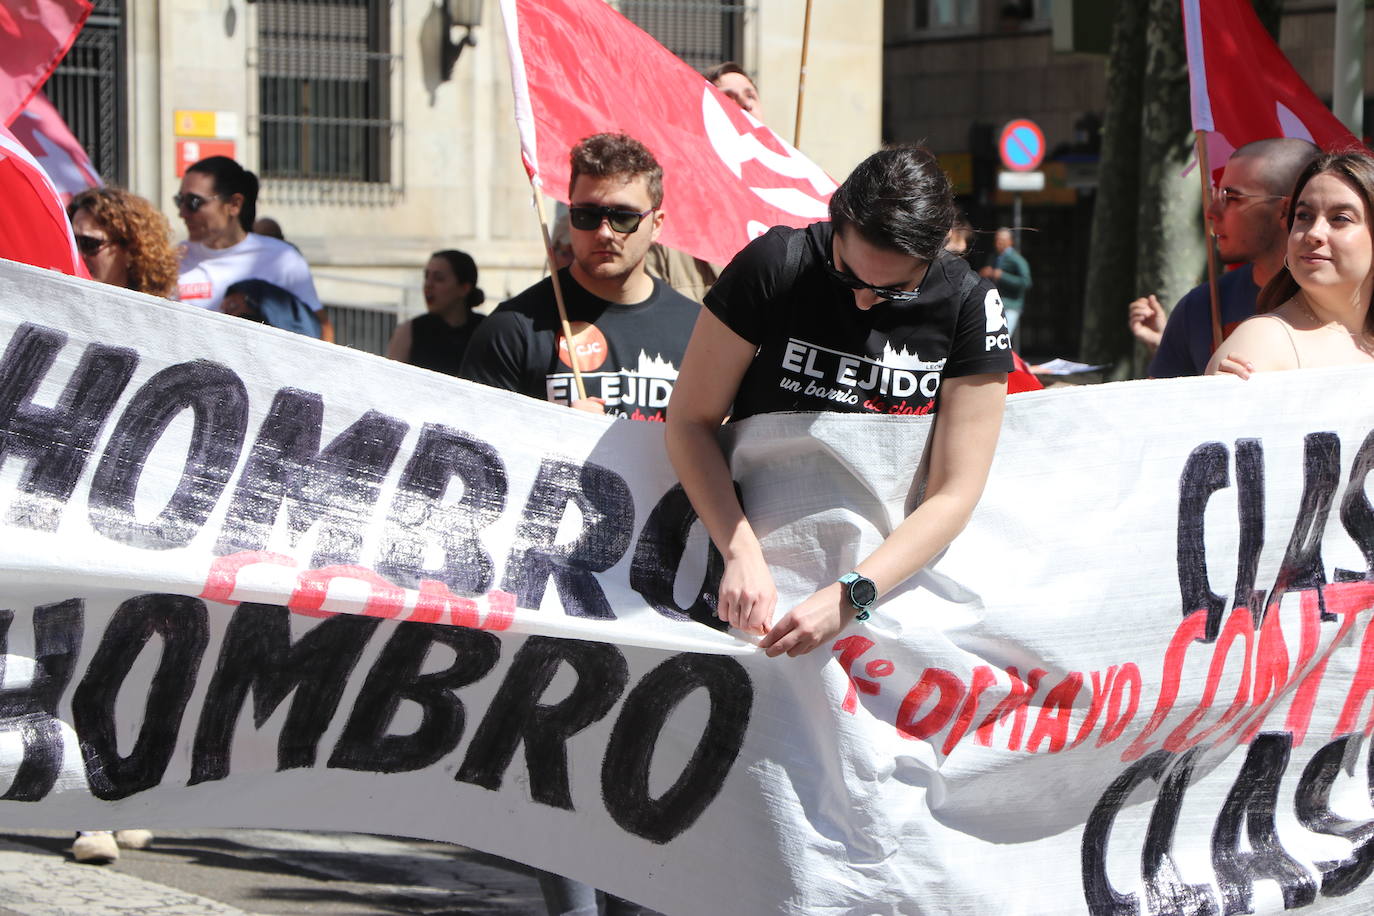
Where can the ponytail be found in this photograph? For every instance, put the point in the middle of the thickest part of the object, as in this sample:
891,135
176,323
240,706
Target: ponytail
230,178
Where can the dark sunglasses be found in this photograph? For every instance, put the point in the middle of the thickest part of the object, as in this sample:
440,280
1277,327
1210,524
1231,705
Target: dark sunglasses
191,202
588,218
882,292
89,244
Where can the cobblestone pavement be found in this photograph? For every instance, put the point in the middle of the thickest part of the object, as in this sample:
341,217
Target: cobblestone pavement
261,873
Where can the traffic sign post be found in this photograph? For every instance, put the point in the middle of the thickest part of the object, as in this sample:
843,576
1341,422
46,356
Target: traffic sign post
1022,148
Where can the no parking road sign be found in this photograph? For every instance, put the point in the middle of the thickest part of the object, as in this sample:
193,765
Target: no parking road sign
1022,145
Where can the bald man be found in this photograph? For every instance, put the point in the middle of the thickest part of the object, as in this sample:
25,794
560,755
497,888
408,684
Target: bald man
1249,216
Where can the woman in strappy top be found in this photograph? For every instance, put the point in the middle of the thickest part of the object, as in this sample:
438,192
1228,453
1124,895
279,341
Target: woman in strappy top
1316,310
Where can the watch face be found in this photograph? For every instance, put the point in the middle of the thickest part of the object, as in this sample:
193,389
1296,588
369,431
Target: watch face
862,592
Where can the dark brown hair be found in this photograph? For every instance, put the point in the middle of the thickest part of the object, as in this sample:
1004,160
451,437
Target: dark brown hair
230,178
898,199
962,230
464,271
1355,169
729,66
606,155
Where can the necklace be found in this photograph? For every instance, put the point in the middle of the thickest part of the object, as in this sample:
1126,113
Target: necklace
1301,300
1361,338
1333,325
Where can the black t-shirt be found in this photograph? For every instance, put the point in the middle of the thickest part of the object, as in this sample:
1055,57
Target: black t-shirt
818,352
629,354
435,344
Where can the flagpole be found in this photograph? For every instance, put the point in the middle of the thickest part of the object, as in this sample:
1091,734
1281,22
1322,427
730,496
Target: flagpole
1205,170
558,295
801,76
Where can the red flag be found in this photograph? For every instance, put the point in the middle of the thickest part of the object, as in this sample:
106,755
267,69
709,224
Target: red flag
1244,89
43,132
34,36
579,68
1020,378
33,223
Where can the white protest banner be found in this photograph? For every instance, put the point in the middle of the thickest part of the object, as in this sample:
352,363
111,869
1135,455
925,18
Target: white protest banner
1139,681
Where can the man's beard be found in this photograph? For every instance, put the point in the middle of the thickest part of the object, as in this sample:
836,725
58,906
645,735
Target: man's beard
612,270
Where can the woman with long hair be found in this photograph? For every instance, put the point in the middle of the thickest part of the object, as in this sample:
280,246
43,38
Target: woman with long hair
1316,310
438,339
124,241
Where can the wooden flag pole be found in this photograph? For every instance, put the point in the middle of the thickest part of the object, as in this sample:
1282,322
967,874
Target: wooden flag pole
558,295
1205,169
801,76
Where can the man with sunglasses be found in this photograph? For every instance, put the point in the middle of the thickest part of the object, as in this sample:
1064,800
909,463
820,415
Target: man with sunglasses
1248,215
864,313
629,329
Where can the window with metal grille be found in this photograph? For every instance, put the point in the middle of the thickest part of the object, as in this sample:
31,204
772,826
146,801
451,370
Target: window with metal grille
324,90
87,90
701,32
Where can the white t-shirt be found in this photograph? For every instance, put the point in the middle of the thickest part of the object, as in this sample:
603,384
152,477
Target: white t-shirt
207,272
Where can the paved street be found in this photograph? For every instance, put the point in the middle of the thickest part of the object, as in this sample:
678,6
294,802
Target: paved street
267,872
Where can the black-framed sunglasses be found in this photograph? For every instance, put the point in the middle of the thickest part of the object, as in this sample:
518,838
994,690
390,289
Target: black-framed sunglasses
882,292
90,245
192,202
588,218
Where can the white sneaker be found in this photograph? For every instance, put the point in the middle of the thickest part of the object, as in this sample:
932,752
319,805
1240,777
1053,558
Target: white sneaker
95,847
136,838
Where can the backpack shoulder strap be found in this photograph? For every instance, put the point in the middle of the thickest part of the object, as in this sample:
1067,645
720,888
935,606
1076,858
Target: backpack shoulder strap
796,250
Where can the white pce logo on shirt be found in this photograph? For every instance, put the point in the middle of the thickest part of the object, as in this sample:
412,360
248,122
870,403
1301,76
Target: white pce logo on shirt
996,323
735,149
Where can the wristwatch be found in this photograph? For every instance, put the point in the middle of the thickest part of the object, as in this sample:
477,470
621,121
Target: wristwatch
861,593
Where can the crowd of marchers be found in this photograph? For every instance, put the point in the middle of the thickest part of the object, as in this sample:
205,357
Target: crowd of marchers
878,302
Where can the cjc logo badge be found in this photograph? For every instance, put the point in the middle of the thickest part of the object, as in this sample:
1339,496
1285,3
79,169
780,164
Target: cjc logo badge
589,344
802,187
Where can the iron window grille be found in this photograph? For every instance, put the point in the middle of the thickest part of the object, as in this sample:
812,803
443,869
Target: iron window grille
701,32
87,89
328,101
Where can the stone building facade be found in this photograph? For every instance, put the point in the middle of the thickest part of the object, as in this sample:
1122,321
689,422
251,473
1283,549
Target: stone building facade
376,146
956,71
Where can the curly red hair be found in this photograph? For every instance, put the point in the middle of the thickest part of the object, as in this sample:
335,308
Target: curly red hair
143,232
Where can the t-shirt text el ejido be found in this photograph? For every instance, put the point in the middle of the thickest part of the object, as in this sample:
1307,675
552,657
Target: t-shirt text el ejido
819,352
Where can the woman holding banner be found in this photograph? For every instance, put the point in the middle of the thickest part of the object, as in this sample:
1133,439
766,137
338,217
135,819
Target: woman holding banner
1316,310
863,313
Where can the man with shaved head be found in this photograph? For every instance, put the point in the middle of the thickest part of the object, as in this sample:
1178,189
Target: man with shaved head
1248,214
